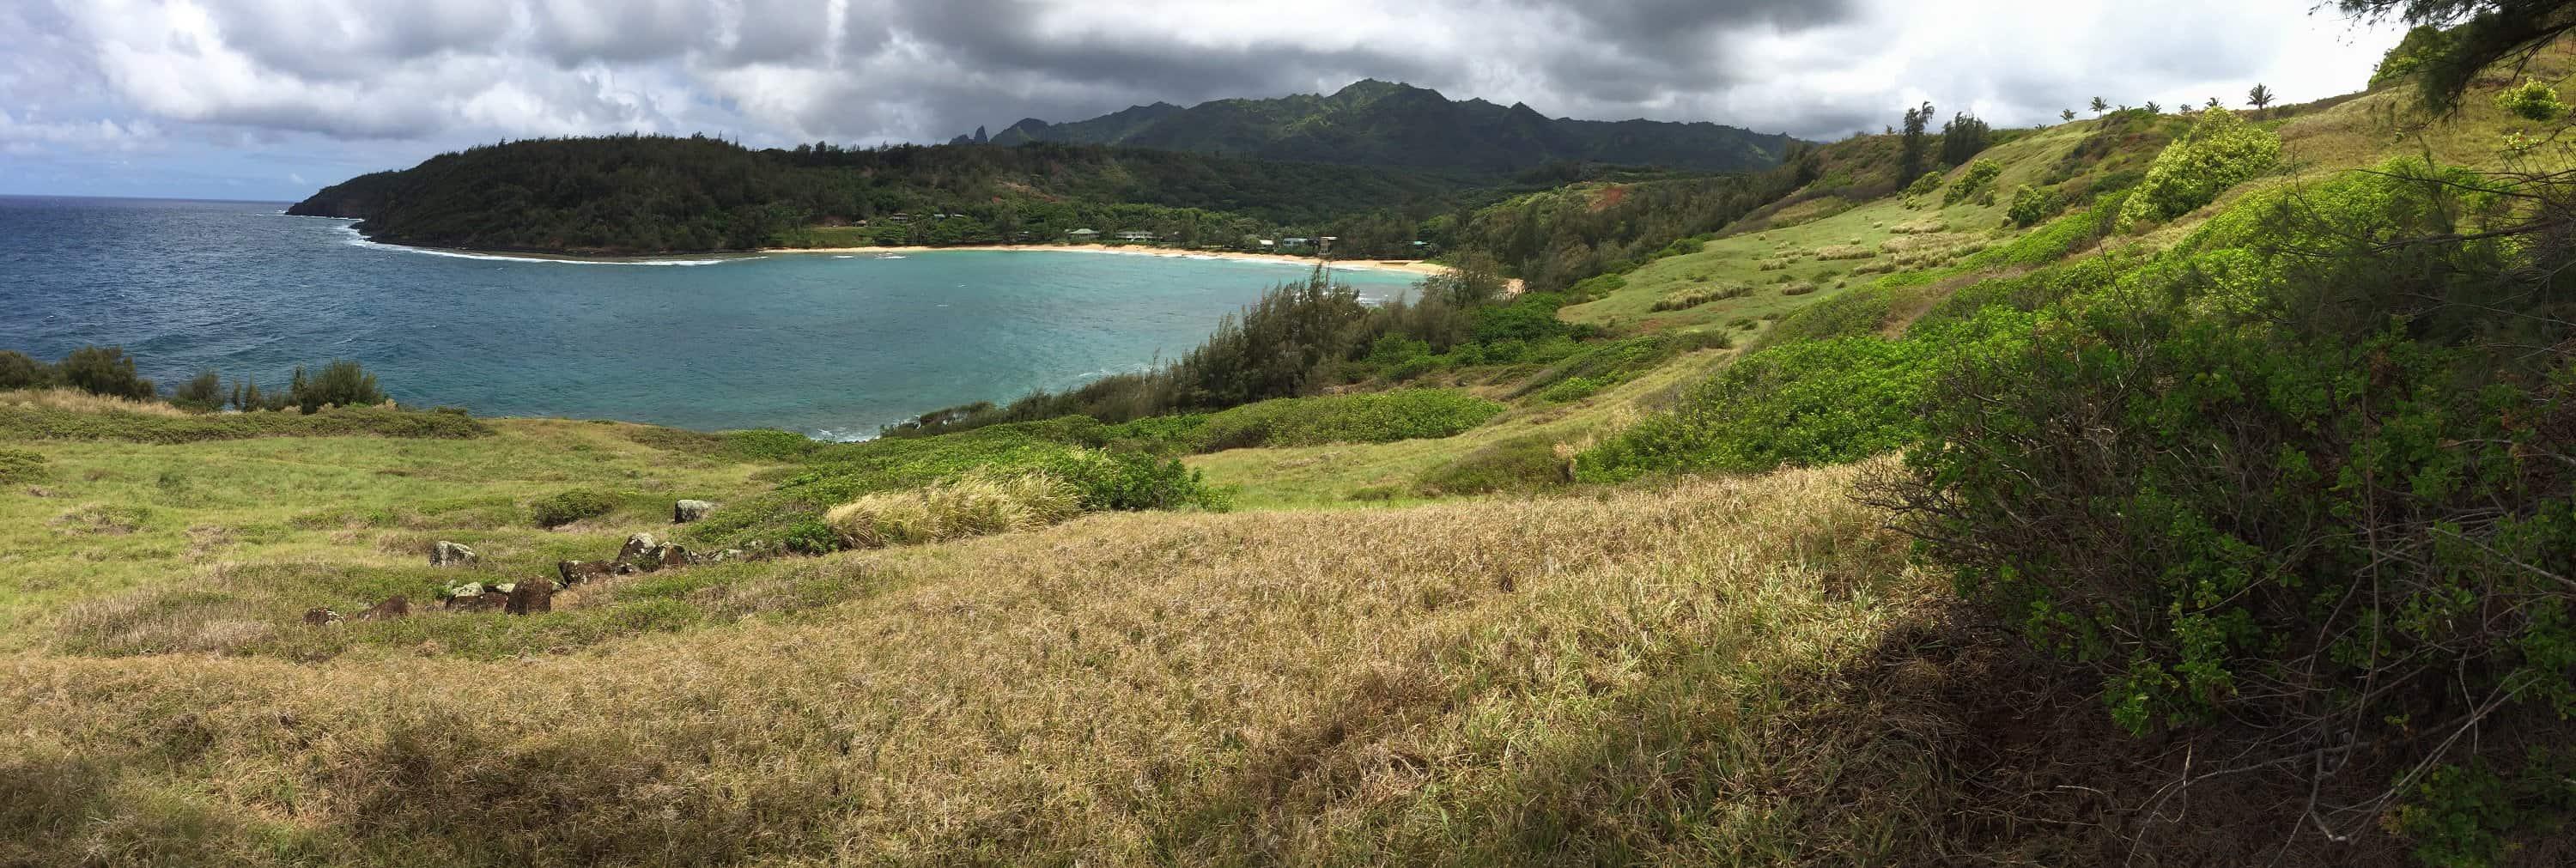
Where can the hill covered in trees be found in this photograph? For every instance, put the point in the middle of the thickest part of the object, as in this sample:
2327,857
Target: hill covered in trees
1378,123
650,194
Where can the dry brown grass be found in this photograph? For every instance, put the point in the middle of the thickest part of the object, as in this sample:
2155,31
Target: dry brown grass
972,506
1609,678
75,400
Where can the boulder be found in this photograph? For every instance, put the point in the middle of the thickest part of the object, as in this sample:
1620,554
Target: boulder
448,554
576,572
532,596
687,511
396,606
637,547
321,617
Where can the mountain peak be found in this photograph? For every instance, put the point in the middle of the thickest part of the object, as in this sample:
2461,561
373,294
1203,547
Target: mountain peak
1374,122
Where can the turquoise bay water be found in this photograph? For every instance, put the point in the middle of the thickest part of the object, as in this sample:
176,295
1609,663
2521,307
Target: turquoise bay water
832,346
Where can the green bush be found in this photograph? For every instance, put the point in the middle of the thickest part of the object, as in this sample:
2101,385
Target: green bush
2533,100
1853,313
19,465
1105,480
1812,403
562,508
2029,206
20,371
339,384
2296,487
1378,417
203,393
104,371
1924,185
1976,181
2221,151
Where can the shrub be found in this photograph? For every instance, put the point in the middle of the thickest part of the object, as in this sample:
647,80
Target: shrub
2221,151
2029,206
19,465
1380,417
20,371
1924,186
104,371
2297,486
976,505
2534,101
1820,402
340,384
203,393
1106,480
566,507
1976,181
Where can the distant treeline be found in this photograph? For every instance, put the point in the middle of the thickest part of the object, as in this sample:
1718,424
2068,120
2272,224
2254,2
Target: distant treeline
658,193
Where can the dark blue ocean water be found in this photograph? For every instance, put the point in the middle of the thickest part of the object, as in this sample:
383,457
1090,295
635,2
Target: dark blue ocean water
831,346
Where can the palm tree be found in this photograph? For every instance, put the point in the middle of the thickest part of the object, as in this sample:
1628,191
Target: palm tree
2066,115
2154,109
2260,98
2099,106
2213,102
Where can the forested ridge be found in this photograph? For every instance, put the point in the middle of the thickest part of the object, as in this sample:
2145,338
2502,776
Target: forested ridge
646,194
1379,123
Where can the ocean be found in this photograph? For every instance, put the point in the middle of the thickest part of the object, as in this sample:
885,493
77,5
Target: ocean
833,346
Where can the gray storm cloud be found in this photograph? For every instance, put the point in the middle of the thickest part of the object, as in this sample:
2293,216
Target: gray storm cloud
453,72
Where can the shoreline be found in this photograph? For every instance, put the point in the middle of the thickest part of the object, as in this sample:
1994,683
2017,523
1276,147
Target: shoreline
1407,266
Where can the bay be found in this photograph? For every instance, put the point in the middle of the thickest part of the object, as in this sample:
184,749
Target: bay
833,346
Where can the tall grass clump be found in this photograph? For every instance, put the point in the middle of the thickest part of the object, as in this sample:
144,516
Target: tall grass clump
976,505
566,507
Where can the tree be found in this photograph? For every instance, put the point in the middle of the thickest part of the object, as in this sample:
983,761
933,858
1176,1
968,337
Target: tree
2260,98
340,384
2099,106
2211,104
2154,108
21,371
1962,139
203,393
2066,115
2474,35
104,371
1910,159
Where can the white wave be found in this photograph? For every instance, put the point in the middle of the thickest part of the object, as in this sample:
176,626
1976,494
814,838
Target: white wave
830,435
354,239
845,257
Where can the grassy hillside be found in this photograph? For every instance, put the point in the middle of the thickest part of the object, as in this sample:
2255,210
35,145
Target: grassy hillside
2235,534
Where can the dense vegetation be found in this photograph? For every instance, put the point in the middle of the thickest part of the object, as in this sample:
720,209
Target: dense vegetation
1377,123
656,193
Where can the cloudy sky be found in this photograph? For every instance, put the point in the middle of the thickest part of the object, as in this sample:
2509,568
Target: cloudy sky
271,99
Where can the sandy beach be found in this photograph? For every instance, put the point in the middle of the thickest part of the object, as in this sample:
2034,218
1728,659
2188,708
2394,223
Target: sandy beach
1410,266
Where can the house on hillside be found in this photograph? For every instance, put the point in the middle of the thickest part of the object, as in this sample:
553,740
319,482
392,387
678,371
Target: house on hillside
1082,236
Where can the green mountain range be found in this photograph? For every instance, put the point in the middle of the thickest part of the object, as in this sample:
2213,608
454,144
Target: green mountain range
1378,123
